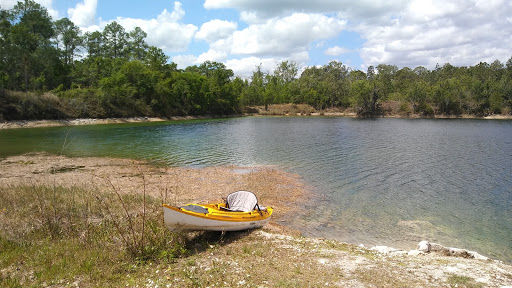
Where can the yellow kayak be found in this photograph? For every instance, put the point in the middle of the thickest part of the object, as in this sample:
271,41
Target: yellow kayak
216,216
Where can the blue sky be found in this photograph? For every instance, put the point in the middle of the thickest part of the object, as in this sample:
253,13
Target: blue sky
246,33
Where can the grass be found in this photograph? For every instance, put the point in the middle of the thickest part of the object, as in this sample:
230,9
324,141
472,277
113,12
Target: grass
51,235
463,281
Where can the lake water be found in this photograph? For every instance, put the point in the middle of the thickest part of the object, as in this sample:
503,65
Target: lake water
389,182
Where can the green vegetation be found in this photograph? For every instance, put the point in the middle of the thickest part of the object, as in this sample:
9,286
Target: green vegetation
51,70
463,281
55,236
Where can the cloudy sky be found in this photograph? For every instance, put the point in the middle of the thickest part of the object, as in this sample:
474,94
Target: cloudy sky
246,33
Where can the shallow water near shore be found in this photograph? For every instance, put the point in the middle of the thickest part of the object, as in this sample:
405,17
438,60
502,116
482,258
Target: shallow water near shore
389,182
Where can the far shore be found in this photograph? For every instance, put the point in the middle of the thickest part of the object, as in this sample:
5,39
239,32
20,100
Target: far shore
98,121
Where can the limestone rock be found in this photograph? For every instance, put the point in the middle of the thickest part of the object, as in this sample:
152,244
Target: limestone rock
415,253
424,246
384,249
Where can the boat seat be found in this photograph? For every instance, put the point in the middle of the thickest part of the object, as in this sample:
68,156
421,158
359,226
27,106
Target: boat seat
241,201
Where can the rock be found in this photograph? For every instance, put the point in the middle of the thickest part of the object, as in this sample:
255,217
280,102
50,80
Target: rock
384,249
456,252
424,246
434,247
478,256
460,253
415,253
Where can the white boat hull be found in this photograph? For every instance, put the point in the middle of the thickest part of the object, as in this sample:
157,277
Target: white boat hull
176,219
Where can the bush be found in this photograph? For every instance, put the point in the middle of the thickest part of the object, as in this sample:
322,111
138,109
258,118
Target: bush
29,106
425,110
83,103
129,222
404,108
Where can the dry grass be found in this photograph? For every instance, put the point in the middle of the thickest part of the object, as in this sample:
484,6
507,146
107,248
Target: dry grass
285,109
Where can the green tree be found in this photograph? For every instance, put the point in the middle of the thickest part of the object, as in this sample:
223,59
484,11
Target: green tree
286,71
94,44
219,97
115,40
188,93
365,98
357,75
338,85
417,95
447,97
386,74
31,47
254,92
137,45
402,82
68,39
6,59
155,58
284,74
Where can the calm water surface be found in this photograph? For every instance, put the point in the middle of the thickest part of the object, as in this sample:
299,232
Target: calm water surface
387,181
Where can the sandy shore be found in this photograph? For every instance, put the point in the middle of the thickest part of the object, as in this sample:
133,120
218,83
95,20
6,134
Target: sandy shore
174,185
94,121
348,265
84,121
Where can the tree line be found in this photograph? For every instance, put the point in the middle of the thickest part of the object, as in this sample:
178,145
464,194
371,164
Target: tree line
51,70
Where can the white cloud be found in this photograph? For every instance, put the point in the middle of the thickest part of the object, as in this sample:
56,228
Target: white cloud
253,11
336,51
8,4
439,32
268,43
215,30
183,61
212,55
399,32
244,67
84,13
285,36
165,31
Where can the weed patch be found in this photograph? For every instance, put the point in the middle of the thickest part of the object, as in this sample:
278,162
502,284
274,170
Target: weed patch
48,234
463,281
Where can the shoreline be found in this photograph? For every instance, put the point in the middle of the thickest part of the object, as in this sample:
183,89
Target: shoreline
15,124
426,265
208,183
89,121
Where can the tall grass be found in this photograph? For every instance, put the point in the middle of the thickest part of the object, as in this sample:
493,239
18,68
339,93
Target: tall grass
66,233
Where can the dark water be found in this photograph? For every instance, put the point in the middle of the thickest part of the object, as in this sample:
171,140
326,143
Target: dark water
390,182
